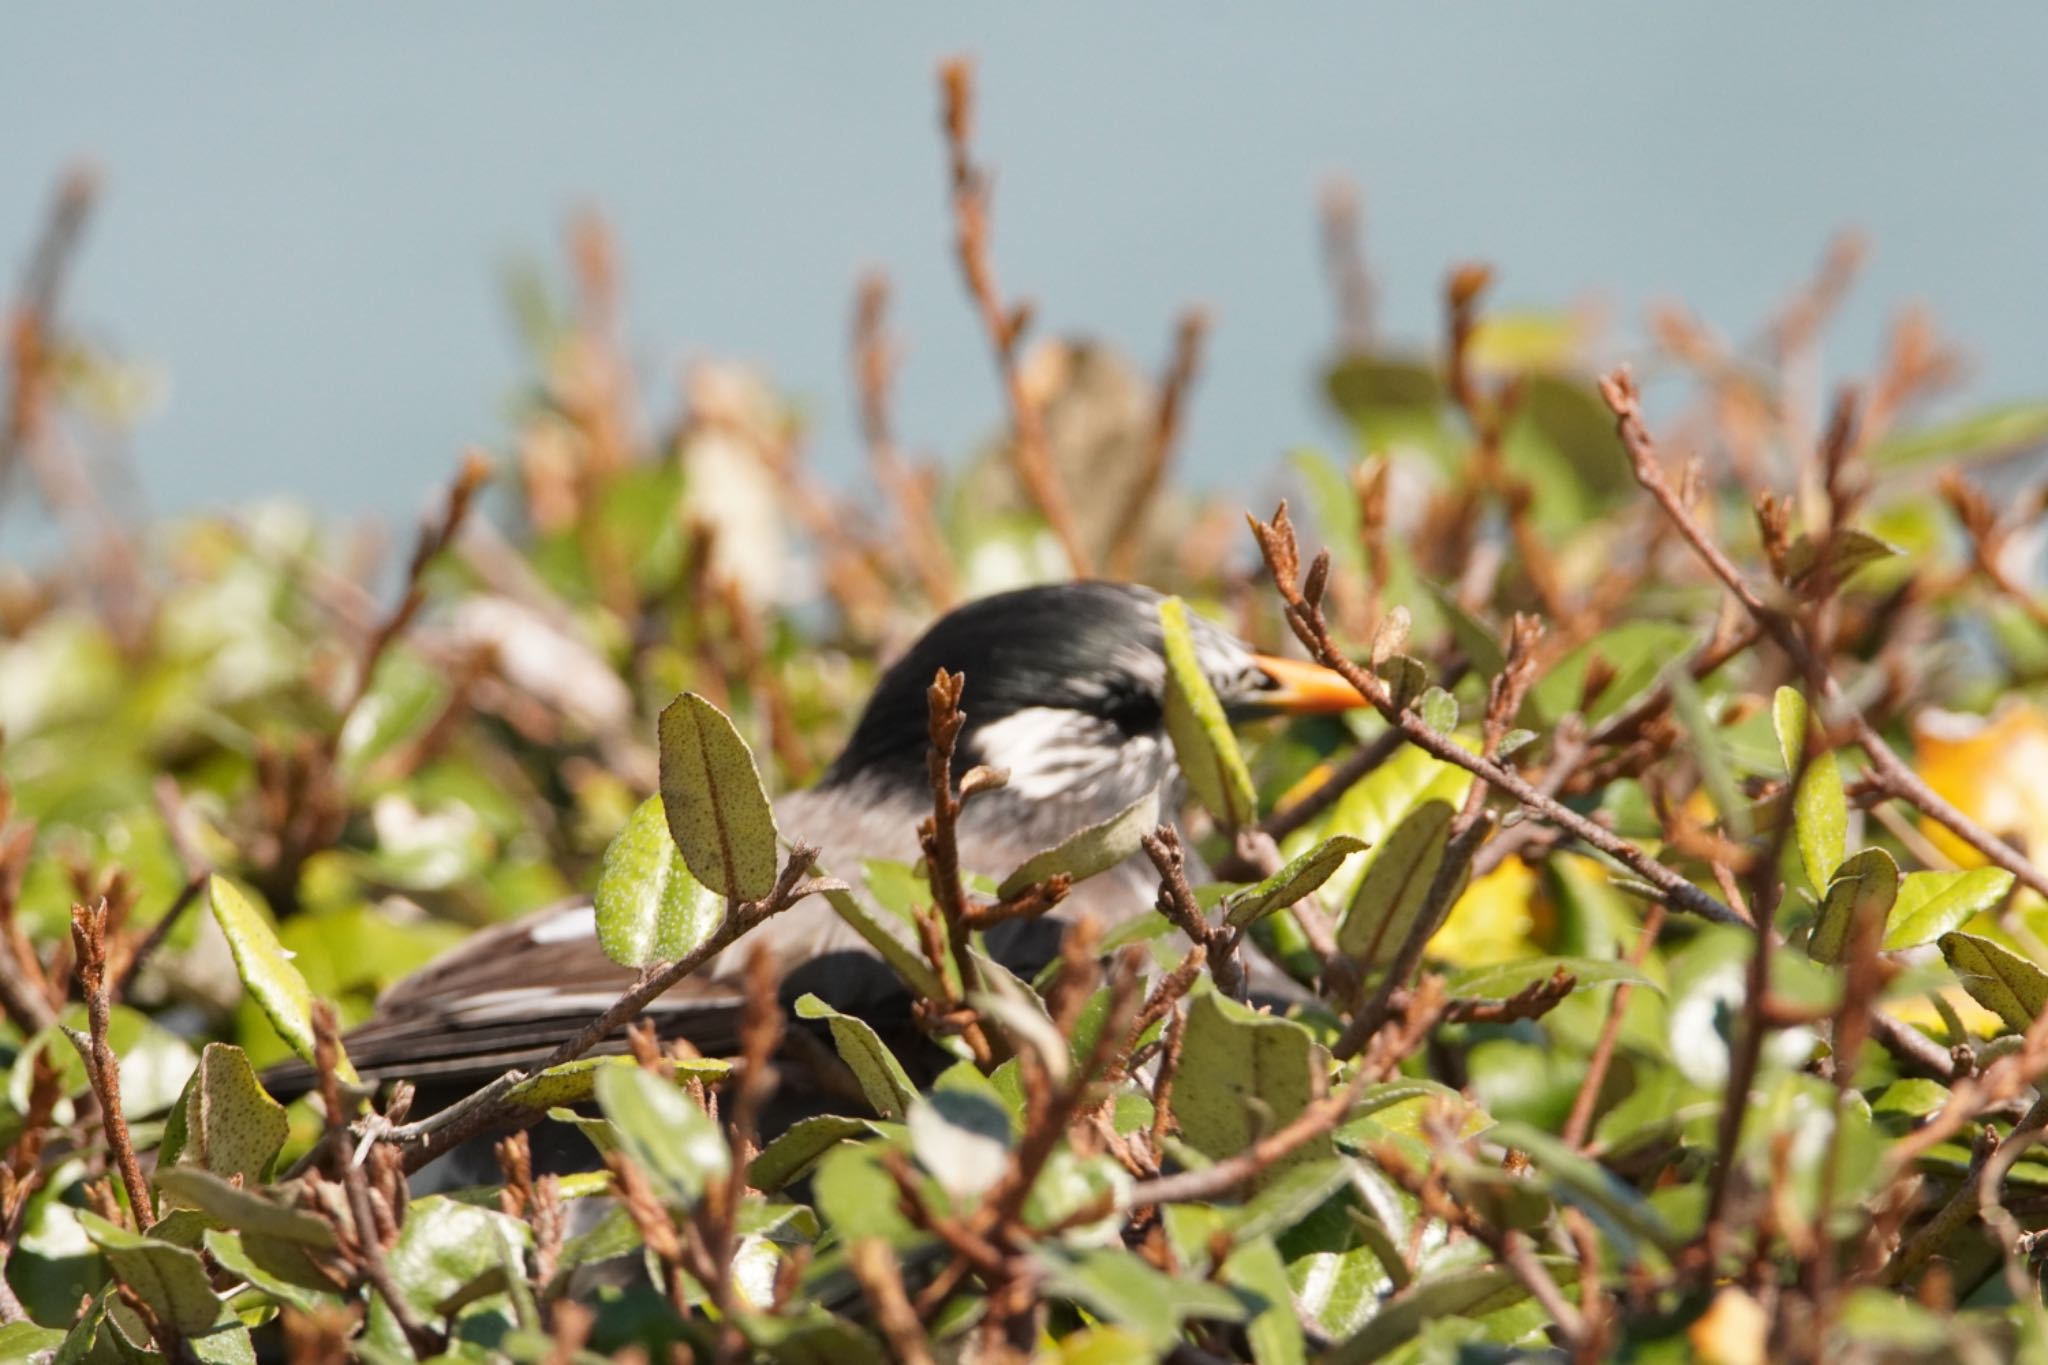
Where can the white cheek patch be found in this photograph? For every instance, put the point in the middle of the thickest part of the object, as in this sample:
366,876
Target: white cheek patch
1053,752
567,927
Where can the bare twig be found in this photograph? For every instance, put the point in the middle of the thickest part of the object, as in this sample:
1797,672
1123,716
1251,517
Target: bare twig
368,1241
486,1110
1004,323
874,360
1887,769
1276,542
1166,426
89,941
1177,902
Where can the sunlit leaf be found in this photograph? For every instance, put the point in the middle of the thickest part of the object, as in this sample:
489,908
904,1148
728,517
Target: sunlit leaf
170,1279
1253,1073
1502,980
2003,982
1861,891
1086,852
1298,879
802,1146
712,796
649,908
1930,904
1396,883
267,972
225,1121
882,1078
1202,740
676,1143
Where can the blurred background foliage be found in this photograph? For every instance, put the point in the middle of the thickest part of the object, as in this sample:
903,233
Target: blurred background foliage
189,696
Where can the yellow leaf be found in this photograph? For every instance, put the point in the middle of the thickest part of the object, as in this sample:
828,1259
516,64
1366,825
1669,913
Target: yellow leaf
1492,922
1988,768
1732,1331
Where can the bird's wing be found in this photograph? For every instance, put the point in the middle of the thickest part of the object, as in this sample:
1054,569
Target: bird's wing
508,996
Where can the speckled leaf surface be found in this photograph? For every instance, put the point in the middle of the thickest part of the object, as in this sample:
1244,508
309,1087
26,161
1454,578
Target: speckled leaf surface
712,795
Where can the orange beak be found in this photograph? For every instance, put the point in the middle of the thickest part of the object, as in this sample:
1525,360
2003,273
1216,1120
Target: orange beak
1302,689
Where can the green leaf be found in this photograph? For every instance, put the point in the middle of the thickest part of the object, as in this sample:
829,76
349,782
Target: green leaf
857,1197
1578,1179
1396,883
267,972
1202,741
231,1252
1253,1073
225,1121
1862,890
882,1078
962,1139
1788,719
242,1208
1477,641
2001,981
576,1082
1500,980
1406,677
1464,1292
1291,883
1932,903
908,964
1637,651
1820,814
1122,1288
1709,749
170,1279
677,1144
716,806
25,1341
1820,810
649,908
1847,550
1439,710
1990,434
1086,852
801,1146
448,1253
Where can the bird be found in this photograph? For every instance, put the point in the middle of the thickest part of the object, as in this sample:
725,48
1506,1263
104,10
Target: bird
1064,690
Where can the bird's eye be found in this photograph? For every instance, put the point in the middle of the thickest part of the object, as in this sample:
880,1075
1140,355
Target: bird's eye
1132,712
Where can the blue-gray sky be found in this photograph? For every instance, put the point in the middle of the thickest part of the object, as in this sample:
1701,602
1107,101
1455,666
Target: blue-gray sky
307,209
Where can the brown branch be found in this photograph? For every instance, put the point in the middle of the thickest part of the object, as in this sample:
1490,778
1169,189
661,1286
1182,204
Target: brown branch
875,1266
874,363
1213,1182
369,1243
1580,1124
1887,770
1177,903
1004,324
89,942
435,536
1533,1001
487,1109
1166,426
1276,543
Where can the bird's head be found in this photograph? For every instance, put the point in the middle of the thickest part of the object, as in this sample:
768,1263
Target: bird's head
1065,688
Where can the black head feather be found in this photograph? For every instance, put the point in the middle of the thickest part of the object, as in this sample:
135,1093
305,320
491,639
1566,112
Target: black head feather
1090,647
